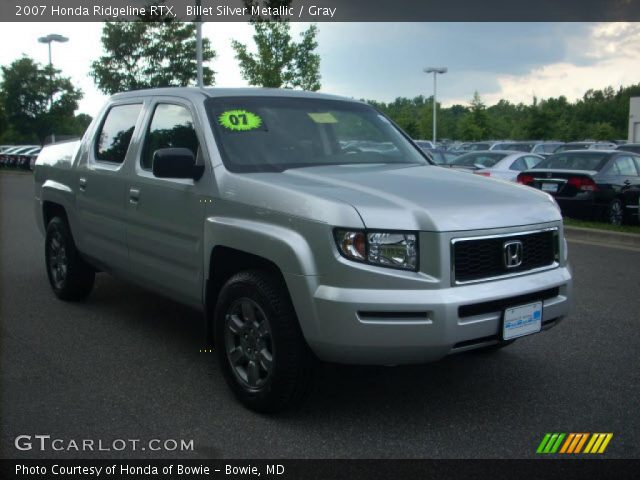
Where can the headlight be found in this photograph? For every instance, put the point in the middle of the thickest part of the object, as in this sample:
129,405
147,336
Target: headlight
387,249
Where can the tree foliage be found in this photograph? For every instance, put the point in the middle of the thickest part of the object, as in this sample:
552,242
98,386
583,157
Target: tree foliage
598,115
36,101
148,53
279,61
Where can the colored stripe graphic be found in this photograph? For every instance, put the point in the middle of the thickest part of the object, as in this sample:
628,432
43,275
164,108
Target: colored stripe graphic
581,442
543,443
567,443
598,443
572,443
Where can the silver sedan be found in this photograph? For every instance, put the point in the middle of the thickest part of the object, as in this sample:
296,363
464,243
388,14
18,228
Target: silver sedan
503,164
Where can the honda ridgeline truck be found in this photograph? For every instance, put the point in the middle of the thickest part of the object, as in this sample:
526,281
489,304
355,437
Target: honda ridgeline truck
305,226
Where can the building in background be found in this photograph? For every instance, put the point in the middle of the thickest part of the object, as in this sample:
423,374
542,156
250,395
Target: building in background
634,120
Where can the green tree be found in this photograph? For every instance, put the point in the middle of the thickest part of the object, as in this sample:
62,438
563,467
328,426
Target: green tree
37,101
279,61
150,52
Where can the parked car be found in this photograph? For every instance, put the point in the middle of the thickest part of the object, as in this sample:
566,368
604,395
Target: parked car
425,144
27,158
10,157
510,165
472,147
629,147
590,184
546,148
588,145
499,164
4,156
243,203
441,156
513,146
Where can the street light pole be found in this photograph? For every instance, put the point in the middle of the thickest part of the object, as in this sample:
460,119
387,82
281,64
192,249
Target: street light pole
435,71
52,37
199,41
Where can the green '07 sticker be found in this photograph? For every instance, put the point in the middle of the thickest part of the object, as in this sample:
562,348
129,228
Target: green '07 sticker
240,120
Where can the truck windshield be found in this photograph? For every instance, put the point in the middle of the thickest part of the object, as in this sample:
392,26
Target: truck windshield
261,134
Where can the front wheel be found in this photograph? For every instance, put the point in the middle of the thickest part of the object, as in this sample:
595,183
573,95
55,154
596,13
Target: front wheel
70,277
260,347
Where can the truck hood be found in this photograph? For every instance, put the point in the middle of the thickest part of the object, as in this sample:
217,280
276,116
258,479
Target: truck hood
427,198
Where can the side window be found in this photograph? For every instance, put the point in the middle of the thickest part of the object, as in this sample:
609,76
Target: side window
518,165
532,161
624,166
637,160
115,134
171,127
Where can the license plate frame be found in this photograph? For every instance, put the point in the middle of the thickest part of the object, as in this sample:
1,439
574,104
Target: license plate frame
521,320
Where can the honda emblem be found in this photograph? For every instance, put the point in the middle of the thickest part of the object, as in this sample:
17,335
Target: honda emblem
512,253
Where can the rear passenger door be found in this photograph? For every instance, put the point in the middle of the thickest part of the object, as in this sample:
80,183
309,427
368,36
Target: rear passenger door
101,189
165,215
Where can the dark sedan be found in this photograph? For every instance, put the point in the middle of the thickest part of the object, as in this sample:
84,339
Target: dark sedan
590,183
629,147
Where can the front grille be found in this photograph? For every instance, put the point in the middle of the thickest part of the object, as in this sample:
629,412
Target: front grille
477,259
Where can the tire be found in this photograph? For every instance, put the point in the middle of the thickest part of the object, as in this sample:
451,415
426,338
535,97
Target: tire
615,212
259,344
71,278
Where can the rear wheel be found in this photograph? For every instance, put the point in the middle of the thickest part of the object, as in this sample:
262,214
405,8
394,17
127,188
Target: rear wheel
615,212
260,348
69,275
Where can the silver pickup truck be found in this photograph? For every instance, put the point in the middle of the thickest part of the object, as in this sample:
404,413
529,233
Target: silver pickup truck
305,226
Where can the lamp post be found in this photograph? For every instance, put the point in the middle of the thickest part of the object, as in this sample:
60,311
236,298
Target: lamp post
52,37
435,71
199,41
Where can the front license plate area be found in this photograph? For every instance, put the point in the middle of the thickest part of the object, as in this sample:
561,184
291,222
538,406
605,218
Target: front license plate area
550,187
522,320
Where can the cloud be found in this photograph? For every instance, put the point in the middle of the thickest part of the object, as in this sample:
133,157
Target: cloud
385,60
609,58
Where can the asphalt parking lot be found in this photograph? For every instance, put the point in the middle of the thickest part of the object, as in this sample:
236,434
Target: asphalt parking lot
126,365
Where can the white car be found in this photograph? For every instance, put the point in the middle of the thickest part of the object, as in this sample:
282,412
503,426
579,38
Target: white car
503,164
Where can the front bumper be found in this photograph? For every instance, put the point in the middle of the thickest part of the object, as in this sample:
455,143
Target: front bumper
382,327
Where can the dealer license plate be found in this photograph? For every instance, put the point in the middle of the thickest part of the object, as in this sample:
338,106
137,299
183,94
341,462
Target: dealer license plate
522,320
550,187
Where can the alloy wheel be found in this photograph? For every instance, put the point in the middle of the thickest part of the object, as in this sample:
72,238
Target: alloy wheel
248,343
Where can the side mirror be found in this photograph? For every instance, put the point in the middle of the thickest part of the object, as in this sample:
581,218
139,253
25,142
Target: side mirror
176,163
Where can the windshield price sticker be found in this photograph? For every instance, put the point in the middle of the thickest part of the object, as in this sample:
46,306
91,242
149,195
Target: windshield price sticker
323,117
240,120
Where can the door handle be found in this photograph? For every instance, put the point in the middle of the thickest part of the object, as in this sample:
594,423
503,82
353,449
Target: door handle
134,196
83,184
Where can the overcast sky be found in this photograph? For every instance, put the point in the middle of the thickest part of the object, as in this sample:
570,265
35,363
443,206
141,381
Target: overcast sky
382,61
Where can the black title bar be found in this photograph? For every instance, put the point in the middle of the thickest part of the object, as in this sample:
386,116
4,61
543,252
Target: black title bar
327,10
320,469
